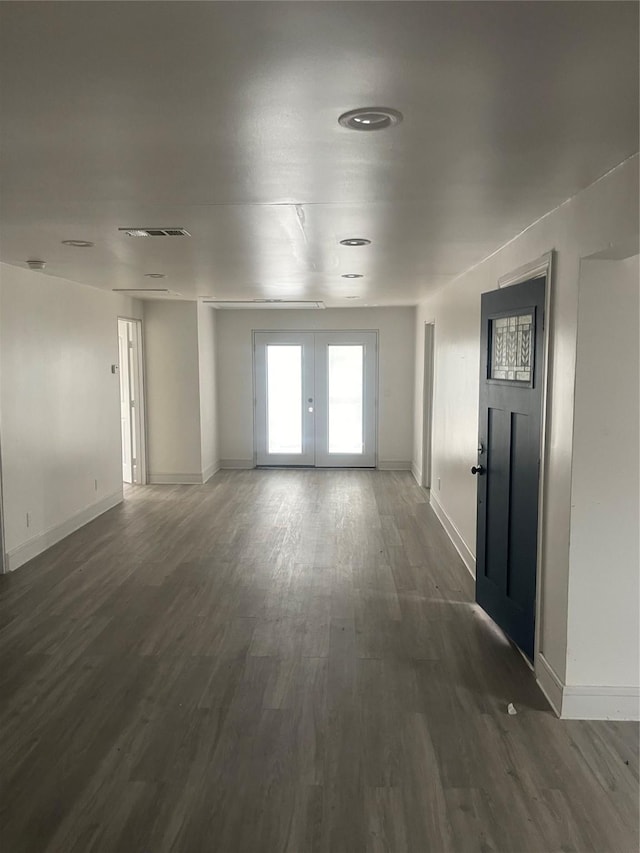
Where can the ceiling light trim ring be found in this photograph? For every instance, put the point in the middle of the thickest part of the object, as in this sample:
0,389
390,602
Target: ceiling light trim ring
352,275
78,244
370,118
355,241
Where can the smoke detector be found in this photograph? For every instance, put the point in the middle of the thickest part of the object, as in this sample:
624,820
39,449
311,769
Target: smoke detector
36,265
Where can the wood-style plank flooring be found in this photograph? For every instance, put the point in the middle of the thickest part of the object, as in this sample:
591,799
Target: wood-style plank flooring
283,662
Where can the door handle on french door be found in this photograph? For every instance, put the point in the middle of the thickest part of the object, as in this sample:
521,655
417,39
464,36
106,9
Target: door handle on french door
478,469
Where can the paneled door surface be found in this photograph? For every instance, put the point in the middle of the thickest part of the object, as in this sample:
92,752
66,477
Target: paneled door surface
508,467
315,396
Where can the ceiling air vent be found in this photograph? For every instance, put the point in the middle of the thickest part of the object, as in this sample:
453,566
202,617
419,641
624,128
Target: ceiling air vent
263,303
155,232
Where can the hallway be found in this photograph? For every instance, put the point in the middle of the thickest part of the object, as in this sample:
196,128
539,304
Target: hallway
280,662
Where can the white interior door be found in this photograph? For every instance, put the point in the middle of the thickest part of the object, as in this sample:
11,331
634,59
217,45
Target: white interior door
126,424
316,398
132,415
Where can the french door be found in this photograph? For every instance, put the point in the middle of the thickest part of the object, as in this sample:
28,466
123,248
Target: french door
315,396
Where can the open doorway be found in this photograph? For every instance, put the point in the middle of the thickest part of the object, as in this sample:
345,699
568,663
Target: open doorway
427,397
132,416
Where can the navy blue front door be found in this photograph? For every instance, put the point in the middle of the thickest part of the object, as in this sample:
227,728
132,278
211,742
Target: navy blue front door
508,467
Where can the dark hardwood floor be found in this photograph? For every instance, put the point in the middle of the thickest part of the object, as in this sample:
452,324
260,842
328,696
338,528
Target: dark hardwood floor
284,661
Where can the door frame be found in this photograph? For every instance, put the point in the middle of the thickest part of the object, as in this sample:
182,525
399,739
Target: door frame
320,331
542,266
4,564
428,387
141,409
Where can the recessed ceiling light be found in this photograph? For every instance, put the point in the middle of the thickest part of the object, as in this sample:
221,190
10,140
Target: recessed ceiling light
370,118
36,265
355,241
79,244
354,297
155,275
352,275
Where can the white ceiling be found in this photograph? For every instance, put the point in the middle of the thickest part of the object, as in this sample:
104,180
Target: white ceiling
222,118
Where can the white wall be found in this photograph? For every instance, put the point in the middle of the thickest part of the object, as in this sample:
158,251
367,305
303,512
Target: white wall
173,392
60,406
208,390
604,581
396,366
604,214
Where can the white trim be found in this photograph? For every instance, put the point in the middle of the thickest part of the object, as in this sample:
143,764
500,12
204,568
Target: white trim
428,386
582,702
178,479
454,534
141,408
136,376
37,544
534,223
394,465
4,559
417,473
232,464
208,472
586,702
549,682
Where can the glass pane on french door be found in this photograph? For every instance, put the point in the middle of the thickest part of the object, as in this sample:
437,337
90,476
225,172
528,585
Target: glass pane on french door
284,376
346,429
284,398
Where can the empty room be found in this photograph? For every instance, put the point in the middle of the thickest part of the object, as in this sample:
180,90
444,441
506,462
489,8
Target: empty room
319,427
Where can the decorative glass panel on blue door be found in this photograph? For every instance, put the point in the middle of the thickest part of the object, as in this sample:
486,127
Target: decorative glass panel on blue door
512,348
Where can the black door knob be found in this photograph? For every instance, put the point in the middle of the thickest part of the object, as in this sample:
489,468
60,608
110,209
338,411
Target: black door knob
477,469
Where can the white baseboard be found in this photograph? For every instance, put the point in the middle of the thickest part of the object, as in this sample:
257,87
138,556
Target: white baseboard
454,534
586,702
231,464
550,683
208,472
417,473
37,544
394,465
583,702
161,479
